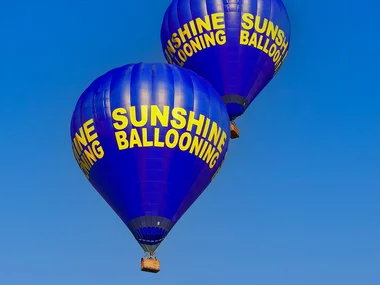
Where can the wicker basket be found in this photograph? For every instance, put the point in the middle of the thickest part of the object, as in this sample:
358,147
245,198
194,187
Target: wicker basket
150,265
234,131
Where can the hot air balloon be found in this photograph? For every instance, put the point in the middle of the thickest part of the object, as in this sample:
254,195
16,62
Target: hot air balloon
237,45
150,137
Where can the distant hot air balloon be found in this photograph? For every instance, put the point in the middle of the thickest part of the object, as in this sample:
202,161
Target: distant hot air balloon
237,45
150,138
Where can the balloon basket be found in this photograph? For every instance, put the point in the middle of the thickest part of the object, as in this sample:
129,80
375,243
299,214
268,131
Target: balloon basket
234,130
150,264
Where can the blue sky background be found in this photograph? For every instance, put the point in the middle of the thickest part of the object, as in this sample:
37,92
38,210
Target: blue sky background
296,203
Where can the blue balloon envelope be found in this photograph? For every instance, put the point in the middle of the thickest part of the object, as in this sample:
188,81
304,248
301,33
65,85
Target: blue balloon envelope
150,138
237,45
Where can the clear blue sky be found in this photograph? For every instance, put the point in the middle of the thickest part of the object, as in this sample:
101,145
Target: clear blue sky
296,203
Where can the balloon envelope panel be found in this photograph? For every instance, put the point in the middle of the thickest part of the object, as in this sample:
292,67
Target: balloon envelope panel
237,45
150,138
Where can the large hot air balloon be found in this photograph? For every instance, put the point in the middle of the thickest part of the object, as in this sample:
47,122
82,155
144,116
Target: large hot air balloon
237,45
150,138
